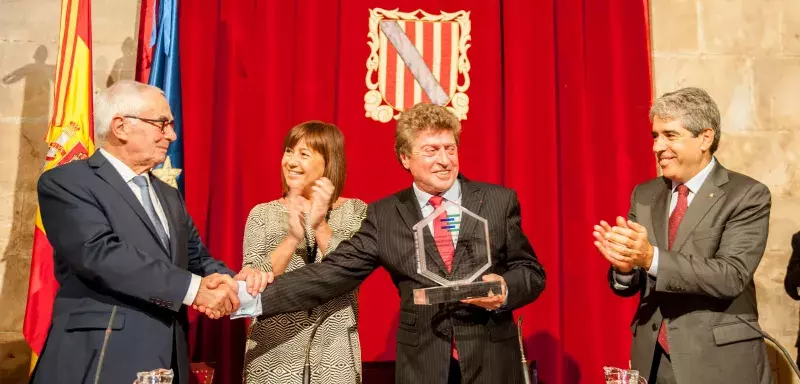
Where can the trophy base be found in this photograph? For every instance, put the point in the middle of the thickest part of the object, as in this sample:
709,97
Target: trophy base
453,293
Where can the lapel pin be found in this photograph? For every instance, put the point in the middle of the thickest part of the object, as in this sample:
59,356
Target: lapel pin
710,195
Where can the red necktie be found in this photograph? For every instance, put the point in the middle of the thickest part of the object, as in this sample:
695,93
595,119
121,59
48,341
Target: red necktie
674,222
444,243
442,235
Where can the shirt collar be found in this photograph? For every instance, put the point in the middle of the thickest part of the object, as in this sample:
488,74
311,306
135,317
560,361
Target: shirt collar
696,182
125,171
453,194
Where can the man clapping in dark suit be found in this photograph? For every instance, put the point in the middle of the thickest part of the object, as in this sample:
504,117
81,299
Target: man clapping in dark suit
124,243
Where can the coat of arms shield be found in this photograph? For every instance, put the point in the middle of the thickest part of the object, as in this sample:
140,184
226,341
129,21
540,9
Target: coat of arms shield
417,57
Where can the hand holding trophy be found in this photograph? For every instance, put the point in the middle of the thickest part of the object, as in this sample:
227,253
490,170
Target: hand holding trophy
453,250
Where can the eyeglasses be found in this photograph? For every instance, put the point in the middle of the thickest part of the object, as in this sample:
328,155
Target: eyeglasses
161,124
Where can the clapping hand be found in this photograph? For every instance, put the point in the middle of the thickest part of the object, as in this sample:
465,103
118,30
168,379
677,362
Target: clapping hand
321,194
625,245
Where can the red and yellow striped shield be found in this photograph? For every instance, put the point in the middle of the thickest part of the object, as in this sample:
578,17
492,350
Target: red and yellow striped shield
417,57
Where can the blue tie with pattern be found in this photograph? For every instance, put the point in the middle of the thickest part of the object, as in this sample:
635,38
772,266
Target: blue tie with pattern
147,202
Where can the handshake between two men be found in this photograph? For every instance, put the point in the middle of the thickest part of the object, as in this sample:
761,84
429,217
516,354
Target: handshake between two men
218,295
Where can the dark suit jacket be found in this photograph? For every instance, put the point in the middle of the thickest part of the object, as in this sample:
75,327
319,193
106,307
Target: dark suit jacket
486,340
106,254
792,280
704,281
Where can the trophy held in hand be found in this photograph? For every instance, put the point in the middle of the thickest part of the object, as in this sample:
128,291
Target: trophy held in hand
452,249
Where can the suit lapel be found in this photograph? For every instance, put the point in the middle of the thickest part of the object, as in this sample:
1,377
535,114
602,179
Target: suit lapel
411,213
472,200
705,198
106,171
170,213
660,214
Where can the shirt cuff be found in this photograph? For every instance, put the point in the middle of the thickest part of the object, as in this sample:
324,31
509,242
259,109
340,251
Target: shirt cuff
249,305
623,281
654,265
505,302
191,293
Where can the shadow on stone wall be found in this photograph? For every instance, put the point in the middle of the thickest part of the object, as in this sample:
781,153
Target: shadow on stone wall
14,362
125,66
36,79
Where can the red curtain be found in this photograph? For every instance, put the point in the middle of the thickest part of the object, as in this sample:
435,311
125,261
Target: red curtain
559,96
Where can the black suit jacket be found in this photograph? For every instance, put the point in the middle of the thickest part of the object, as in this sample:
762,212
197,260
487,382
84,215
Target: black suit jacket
486,340
106,254
792,280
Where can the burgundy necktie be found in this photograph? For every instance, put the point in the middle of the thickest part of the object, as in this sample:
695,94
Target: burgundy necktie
674,222
444,243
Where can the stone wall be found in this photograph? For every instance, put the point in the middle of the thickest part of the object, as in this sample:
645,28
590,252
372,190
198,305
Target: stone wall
28,52
746,54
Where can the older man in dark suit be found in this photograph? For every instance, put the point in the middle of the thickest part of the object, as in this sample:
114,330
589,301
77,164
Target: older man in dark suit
124,244
689,248
474,339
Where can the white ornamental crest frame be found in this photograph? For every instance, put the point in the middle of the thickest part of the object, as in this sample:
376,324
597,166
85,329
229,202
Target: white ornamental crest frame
374,102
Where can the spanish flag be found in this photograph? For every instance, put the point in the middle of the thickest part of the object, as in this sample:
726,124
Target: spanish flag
70,137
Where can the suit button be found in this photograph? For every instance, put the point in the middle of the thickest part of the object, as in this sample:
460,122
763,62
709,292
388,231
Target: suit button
655,327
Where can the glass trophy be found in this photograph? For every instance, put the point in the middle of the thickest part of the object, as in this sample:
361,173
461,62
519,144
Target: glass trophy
157,376
616,375
469,235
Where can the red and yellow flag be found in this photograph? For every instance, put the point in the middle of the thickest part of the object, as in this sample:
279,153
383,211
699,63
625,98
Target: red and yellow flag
70,137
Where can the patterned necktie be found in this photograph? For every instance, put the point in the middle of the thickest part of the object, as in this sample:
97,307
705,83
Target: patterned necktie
147,203
677,214
674,222
444,242
441,233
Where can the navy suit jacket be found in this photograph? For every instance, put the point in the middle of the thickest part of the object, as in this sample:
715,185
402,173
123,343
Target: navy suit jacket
106,254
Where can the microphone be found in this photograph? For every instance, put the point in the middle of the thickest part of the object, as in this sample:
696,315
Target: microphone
770,338
307,366
526,375
105,344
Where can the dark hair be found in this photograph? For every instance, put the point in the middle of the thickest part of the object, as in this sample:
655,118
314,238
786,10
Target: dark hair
327,140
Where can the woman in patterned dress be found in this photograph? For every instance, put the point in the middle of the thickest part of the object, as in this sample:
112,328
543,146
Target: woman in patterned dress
307,223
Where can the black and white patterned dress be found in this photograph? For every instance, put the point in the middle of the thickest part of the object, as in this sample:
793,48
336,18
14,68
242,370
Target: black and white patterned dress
275,350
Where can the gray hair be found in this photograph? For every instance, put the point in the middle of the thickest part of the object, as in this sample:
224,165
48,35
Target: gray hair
693,107
125,97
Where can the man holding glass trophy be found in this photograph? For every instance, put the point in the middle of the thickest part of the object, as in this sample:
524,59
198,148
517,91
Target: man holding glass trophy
455,251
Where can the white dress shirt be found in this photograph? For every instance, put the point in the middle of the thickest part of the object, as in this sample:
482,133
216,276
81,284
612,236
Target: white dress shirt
694,185
127,175
623,281
453,195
